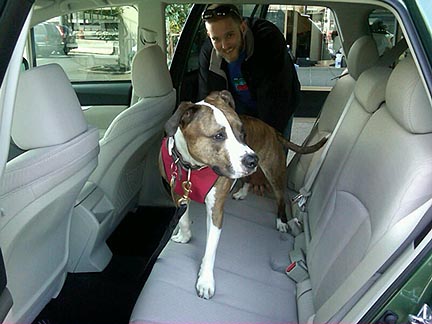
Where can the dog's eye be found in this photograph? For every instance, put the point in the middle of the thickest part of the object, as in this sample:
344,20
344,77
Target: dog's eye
242,134
220,136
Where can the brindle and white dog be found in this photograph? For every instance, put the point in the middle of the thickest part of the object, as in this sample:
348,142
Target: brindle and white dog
210,133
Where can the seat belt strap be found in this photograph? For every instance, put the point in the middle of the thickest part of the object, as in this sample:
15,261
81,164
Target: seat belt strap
389,246
391,56
305,191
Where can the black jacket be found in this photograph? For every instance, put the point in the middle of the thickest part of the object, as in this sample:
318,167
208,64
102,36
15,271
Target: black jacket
268,70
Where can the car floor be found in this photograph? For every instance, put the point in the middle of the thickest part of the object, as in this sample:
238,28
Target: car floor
109,296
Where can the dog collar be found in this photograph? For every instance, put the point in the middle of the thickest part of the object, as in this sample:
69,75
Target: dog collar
202,179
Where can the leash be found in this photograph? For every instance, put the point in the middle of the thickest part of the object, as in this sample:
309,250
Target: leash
181,206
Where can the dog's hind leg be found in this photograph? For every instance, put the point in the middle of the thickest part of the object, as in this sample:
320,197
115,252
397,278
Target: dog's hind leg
183,232
276,180
242,192
281,220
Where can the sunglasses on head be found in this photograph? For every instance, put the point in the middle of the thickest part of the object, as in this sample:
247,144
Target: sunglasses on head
220,11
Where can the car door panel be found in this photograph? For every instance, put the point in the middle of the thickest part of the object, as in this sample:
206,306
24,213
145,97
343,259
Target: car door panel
104,93
311,102
5,296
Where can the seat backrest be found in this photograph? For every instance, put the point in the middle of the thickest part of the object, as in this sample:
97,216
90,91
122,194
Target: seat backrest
387,175
40,186
127,140
368,97
362,55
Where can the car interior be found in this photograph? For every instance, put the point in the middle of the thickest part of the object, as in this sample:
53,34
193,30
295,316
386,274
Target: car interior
83,206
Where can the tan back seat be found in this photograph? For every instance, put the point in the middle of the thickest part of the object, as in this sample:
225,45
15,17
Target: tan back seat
387,175
381,174
362,55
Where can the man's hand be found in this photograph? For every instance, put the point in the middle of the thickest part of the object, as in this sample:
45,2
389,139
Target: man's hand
258,183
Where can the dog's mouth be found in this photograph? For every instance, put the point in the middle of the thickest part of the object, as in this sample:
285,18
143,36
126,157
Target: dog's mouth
231,174
218,170
246,166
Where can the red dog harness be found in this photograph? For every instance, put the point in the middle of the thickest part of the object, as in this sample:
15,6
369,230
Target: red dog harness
202,180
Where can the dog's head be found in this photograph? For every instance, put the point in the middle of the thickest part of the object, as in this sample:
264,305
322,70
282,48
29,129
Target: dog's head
210,133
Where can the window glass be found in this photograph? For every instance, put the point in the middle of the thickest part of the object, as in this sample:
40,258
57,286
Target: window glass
176,15
90,45
313,42
384,29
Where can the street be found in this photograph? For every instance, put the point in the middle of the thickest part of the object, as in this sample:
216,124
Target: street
96,60
93,60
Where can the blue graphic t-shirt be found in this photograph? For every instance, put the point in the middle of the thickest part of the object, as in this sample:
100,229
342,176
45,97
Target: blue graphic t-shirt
240,90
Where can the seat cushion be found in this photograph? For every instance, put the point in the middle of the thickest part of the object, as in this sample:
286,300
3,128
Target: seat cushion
253,265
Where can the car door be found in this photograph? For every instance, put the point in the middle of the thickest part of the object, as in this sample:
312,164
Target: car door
5,296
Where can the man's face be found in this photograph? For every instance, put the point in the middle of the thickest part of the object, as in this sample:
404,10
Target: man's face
226,36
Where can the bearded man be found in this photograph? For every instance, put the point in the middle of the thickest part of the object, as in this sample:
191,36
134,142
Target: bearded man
249,57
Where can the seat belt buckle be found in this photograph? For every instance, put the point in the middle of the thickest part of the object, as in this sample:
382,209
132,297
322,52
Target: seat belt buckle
295,225
299,199
297,271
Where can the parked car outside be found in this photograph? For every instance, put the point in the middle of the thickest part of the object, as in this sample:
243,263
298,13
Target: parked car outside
47,39
51,38
69,38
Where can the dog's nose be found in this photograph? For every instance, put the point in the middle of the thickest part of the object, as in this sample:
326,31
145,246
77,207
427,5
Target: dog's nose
250,161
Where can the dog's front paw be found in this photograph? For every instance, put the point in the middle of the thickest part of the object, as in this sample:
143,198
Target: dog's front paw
182,236
281,226
205,286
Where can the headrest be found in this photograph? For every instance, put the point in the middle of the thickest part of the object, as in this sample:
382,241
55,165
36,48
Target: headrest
150,75
371,87
47,111
407,100
362,55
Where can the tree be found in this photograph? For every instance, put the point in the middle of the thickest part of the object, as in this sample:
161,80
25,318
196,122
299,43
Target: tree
176,15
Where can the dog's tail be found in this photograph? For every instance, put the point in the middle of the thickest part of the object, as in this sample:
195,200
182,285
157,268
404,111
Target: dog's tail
301,149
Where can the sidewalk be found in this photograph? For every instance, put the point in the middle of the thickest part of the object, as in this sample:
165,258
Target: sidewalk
318,76
94,47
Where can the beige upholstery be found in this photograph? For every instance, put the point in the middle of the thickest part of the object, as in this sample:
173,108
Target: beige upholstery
362,55
126,142
378,170
369,94
39,187
150,76
387,174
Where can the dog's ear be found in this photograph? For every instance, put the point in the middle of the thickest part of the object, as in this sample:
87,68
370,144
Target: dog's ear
182,116
228,98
